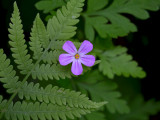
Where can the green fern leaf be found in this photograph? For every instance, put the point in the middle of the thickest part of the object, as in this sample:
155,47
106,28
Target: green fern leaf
39,37
61,27
43,111
49,5
106,91
7,74
56,95
45,72
18,43
58,103
116,24
140,110
96,23
110,64
52,56
94,5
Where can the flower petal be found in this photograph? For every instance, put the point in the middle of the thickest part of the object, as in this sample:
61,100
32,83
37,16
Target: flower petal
65,59
77,67
88,60
69,48
85,47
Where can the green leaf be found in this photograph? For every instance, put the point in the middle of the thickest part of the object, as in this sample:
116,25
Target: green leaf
56,95
48,5
61,27
7,74
17,42
118,24
39,37
52,56
43,111
96,23
95,5
106,91
117,62
46,72
53,102
140,110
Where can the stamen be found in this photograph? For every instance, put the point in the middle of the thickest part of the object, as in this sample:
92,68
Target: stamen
77,56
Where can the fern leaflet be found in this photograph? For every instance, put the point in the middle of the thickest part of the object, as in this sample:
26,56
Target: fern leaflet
45,72
56,95
61,27
18,43
110,64
39,37
42,111
7,74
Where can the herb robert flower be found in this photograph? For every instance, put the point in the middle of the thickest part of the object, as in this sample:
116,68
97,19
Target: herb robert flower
77,58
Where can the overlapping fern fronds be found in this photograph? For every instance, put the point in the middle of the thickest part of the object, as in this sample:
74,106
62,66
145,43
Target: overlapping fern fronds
38,102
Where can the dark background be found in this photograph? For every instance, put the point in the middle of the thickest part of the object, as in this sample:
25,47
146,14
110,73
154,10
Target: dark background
143,45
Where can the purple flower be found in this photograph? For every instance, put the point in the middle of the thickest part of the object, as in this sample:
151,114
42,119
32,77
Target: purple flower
77,57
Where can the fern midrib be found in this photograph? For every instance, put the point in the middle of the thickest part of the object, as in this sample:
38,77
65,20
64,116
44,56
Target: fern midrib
38,61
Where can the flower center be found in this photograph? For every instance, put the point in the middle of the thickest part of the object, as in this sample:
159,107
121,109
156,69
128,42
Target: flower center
77,56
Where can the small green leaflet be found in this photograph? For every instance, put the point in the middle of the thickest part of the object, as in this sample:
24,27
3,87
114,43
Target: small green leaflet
116,61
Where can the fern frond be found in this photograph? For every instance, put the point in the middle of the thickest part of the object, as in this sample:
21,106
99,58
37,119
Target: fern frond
43,111
18,43
61,27
7,74
39,37
56,95
54,103
51,71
